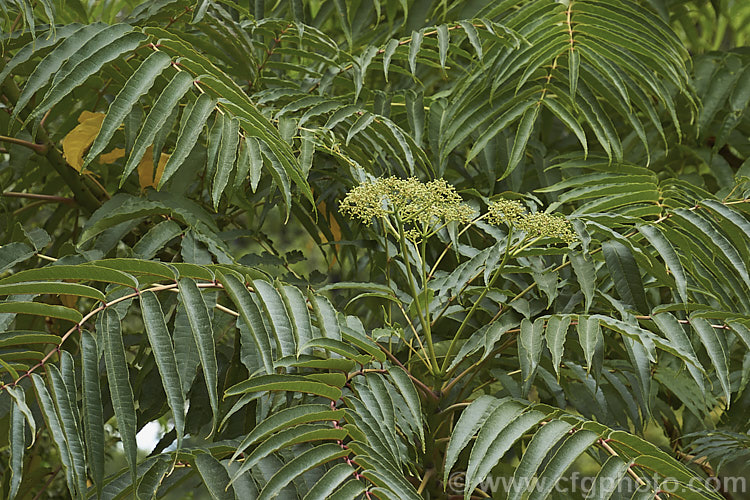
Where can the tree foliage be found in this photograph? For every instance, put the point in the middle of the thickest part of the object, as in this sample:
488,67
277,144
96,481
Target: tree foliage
365,249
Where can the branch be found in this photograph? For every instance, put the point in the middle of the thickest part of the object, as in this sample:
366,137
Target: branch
95,311
86,194
41,197
37,148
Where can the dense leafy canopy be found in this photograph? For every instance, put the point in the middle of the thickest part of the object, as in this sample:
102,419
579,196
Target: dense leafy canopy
364,249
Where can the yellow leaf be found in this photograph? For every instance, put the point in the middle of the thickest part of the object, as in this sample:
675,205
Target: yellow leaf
81,137
112,156
146,176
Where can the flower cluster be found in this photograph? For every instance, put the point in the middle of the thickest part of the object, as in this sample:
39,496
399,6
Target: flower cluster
505,211
538,224
411,200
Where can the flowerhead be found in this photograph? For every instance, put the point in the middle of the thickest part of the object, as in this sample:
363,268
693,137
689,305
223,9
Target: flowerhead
410,200
538,224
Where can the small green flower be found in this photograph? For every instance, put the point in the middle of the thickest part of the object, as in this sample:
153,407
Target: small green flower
505,211
413,201
538,224
548,225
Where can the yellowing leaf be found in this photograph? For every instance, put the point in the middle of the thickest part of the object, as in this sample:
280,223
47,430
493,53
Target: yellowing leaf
81,137
146,176
112,156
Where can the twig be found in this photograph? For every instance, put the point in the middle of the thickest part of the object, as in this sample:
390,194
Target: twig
37,148
77,326
42,197
417,382
49,481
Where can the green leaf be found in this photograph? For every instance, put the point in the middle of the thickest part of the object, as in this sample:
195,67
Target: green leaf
414,46
501,430
161,345
23,338
607,480
78,74
300,464
139,267
51,63
230,138
151,480
250,315
286,418
716,350
471,419
625,274
574,62
119,387
669,254
557,329
343,16
215,477
673,331
590,338
93,415
276,312
256,161
85,272
39,288
443,36
40,309
330,482
188,136
53,424
539,446
70,426
200,324
339,347
30,49
529,350
156,118
406,387
17,440
568,119
287,438
138,84
390,49
572,448
326,315
473,35
293,383
156,238
586,273
296,308
13,253
730,253
279,173
525,128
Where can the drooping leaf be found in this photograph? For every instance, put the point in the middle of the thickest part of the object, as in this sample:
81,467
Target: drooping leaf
138,84
200,323
163,349
120,389
93,419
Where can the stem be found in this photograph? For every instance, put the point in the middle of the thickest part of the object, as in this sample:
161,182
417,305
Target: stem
425,325
37,148
43,197
49,481
427,475
83,192
421,385
416,335
474,307
450,244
